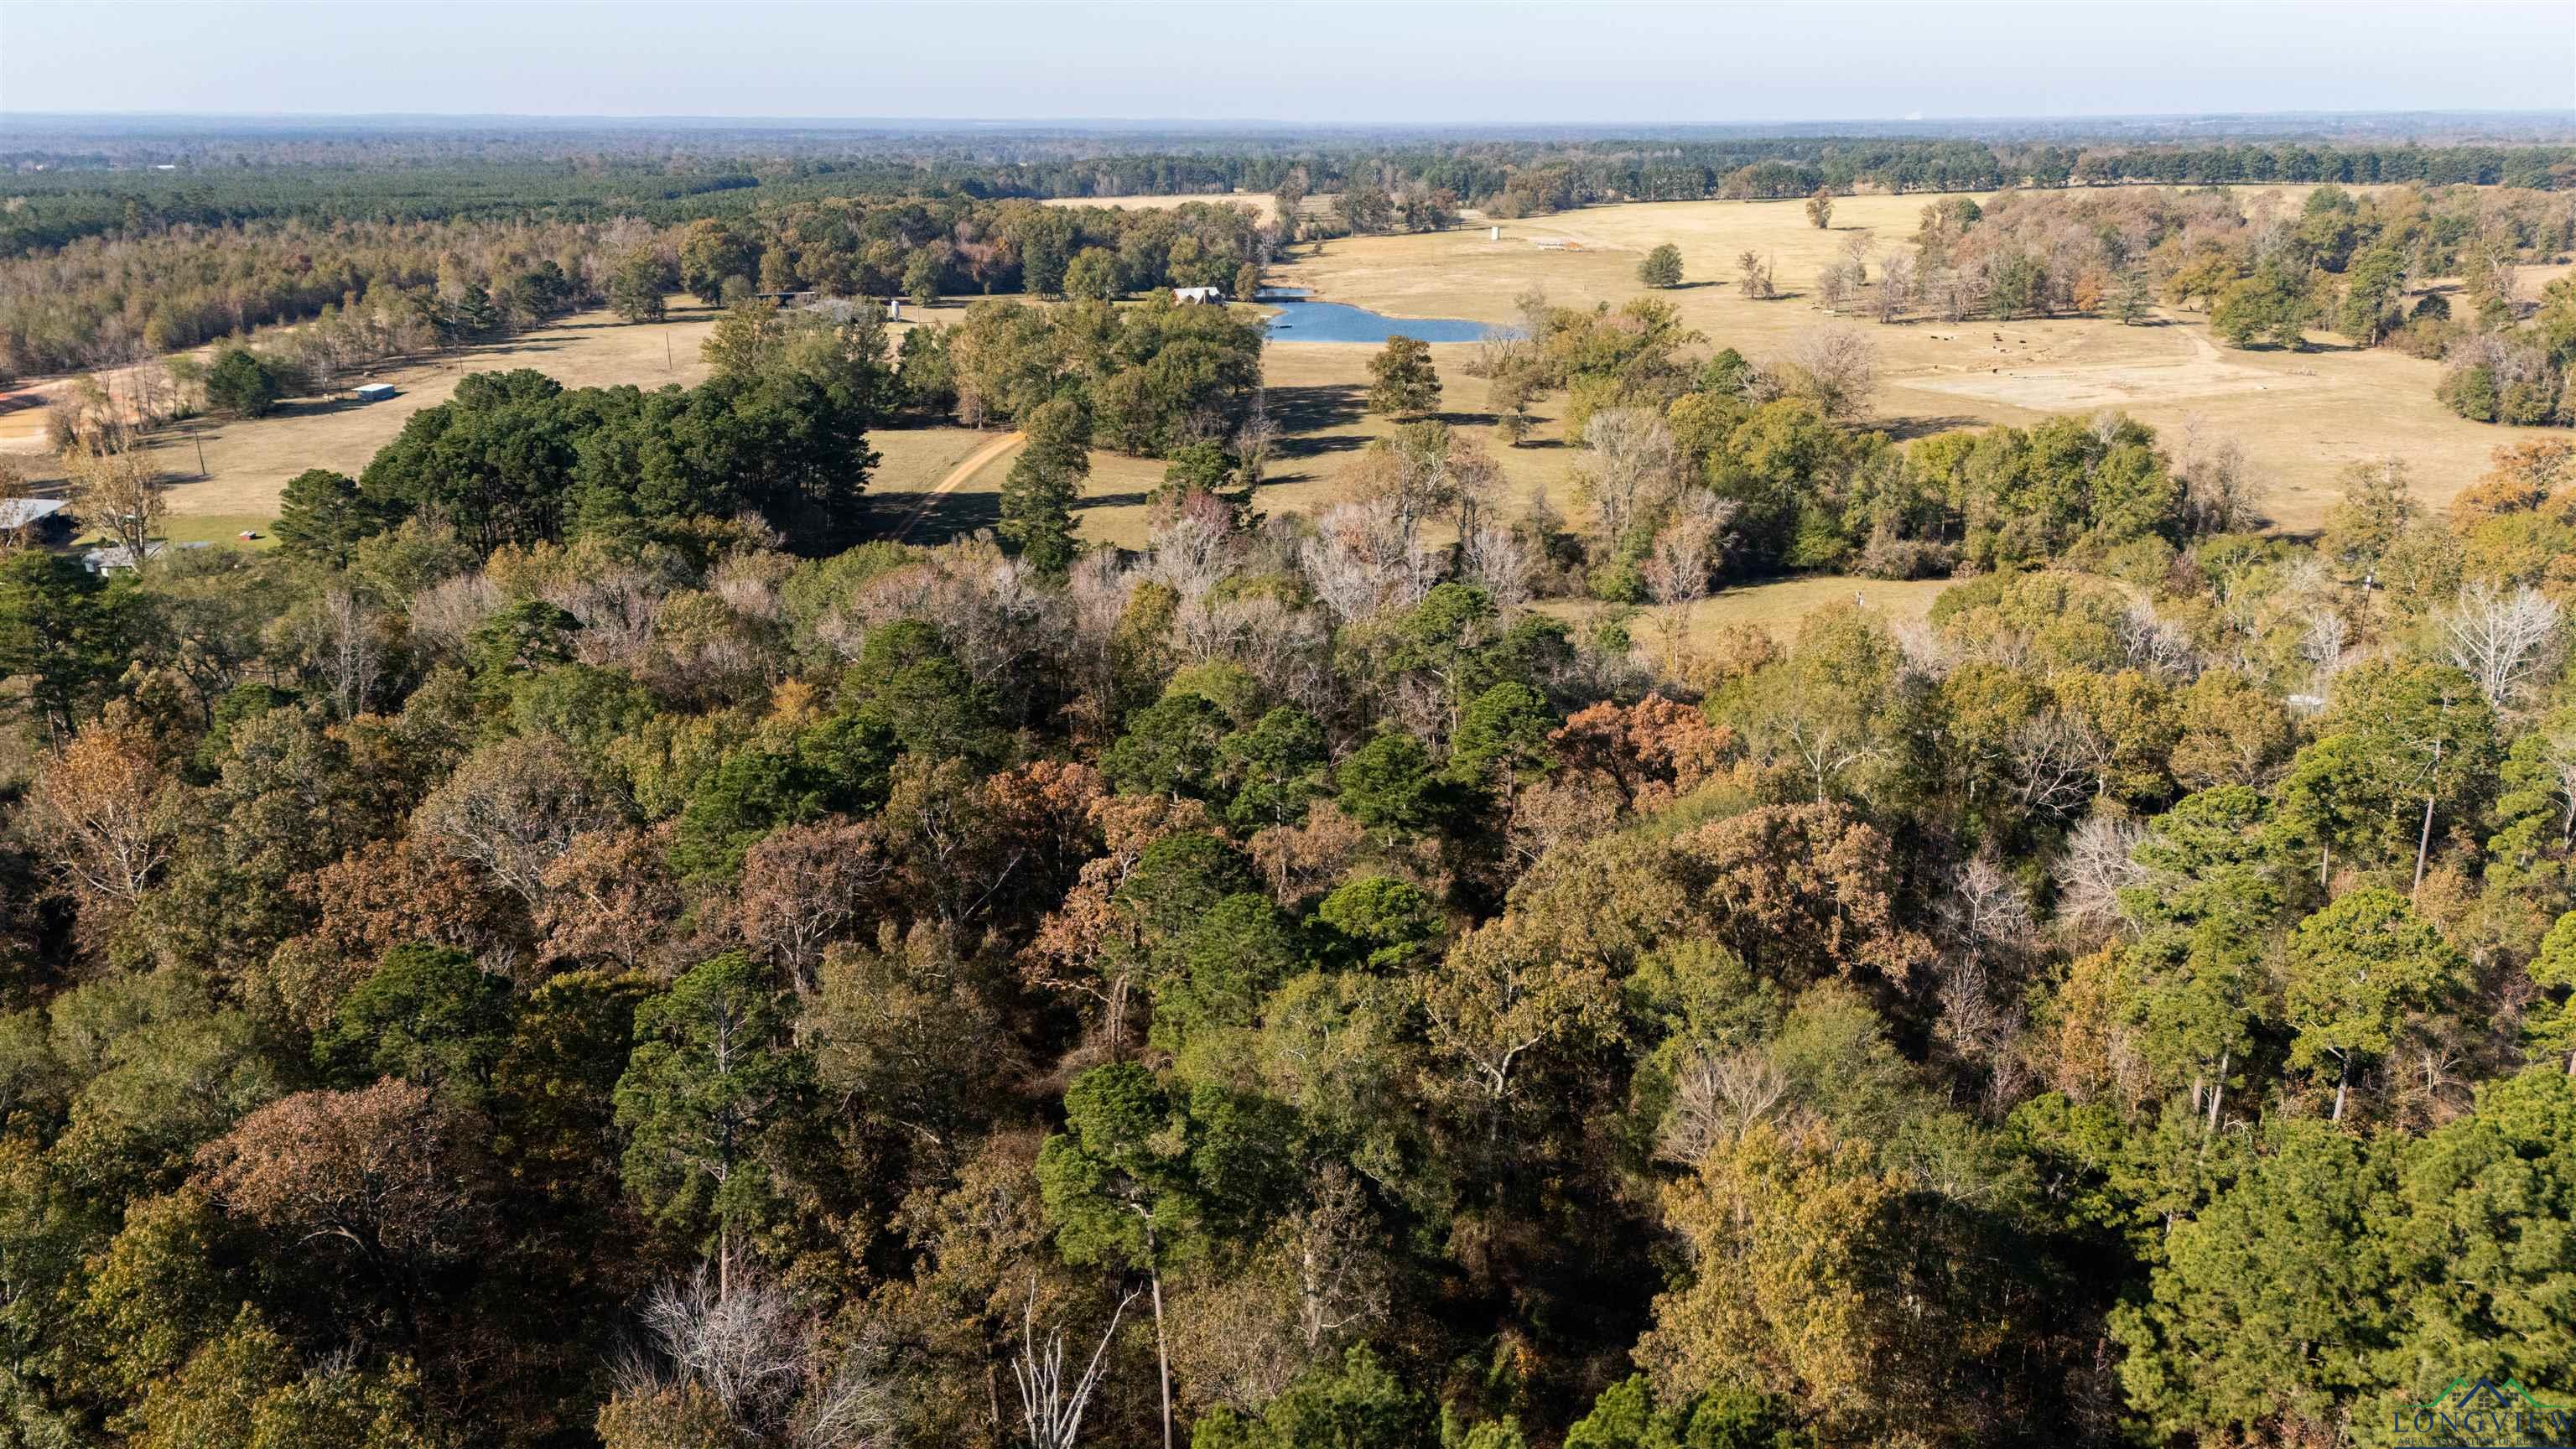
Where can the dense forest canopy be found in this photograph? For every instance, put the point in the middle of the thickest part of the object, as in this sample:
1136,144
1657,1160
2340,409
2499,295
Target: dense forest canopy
595,941
576,947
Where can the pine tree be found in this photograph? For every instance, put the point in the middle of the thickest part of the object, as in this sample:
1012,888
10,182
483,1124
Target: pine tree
1038,495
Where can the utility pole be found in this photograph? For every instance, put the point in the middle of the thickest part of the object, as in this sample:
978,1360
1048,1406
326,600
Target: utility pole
195,437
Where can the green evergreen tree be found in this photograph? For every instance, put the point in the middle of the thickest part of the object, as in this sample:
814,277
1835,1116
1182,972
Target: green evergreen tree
426,1014
322,515
243,383
65,630
1044,482
2360,972
712,1075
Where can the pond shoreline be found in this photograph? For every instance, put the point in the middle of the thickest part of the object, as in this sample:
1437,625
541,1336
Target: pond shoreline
1294,317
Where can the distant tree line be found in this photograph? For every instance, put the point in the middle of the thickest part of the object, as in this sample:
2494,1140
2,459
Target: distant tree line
79,196
101,302
380,289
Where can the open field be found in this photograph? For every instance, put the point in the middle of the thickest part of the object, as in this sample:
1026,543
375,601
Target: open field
1261,201
2300,416
247,460
1773,605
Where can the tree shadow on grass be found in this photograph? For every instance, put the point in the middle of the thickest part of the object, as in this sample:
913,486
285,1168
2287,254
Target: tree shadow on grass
514,347
1308,413
305,407
908,518
1091,501
1907,429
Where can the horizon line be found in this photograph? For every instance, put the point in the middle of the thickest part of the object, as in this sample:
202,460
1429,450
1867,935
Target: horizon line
6,113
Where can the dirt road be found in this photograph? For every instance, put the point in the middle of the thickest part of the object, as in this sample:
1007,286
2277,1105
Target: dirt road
972,464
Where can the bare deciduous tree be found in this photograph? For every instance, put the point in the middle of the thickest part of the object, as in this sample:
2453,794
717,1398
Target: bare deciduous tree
1716,1098
1190,553
1634,466
1985,920
1341,1277
1411,476
1492,558
1834,367
741,1345
2053,758
1051,1405
2095,868
745,1346
1895,285
2503,640
1958,291
348,648
1678,567
1361,561
512,808
116,489
2323,641
2156,646
443,614
2211,468
1753,276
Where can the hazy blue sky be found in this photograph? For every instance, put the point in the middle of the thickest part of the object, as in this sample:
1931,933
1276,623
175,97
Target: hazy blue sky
1285,61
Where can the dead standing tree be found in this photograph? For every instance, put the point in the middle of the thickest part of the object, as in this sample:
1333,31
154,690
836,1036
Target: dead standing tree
1051,1408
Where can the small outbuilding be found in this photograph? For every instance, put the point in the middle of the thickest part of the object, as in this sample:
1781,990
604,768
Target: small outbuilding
375,391
839,311
39,518
1199,296
117,558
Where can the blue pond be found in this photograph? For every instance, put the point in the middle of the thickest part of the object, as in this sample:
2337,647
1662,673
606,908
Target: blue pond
1300,320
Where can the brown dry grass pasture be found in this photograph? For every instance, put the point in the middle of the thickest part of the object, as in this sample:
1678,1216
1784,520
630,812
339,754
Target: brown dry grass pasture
2300,416
247,460
1774,606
